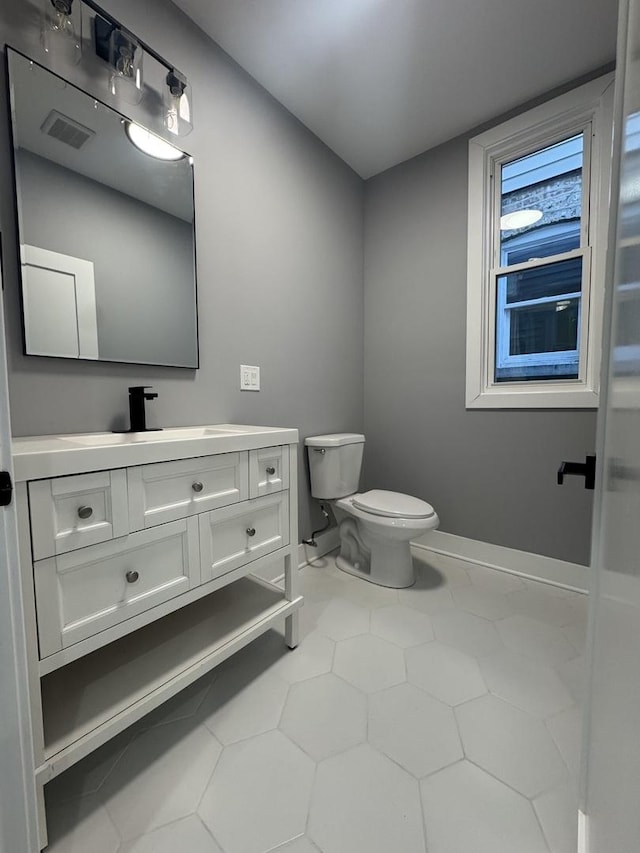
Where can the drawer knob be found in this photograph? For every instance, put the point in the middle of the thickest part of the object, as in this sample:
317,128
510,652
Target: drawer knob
271,470
132,576
197,487
251,531
85,512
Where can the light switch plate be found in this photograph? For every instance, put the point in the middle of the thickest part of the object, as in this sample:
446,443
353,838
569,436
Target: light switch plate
249,377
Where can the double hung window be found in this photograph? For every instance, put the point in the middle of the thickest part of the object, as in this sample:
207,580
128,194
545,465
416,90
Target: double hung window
538,188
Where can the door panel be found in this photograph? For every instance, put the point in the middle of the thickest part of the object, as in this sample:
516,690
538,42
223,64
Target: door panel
18,802
611,756
59,303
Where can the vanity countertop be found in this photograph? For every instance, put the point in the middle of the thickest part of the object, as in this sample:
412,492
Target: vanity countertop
41,456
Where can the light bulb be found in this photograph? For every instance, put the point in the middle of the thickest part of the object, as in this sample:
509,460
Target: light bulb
125,58
177,104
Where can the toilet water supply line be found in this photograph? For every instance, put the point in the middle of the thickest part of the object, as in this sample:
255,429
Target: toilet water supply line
312,540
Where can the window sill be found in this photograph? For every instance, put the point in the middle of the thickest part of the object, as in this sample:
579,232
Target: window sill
528,398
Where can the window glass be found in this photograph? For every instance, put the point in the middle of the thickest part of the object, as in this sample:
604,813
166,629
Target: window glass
551,327
548,280
541,202
538,322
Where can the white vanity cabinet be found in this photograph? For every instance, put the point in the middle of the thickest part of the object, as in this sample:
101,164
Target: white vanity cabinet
142,567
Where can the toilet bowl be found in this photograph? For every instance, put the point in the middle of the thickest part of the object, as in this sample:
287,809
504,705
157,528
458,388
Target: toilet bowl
376,527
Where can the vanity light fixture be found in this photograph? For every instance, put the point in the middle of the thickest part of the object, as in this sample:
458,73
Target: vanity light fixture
61,36
151,144
178,104
124,55
61,30
520,219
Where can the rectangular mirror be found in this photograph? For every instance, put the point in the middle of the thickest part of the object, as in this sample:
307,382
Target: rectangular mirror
106,231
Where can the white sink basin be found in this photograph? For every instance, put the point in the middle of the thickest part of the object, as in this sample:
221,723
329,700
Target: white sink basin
38,457
108,439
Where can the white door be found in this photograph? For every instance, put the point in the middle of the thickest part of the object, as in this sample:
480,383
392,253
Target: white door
18,832
59,304
610,802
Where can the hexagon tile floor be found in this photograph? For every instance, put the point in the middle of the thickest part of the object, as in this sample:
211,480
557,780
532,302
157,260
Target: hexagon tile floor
440,719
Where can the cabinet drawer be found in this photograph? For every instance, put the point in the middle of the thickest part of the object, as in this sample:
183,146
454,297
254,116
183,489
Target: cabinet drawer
80,594
233,536
72,512
268,471
166,491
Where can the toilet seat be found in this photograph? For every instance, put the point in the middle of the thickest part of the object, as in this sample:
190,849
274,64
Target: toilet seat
392,505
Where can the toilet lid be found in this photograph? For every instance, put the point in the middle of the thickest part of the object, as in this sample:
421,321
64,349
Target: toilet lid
393,505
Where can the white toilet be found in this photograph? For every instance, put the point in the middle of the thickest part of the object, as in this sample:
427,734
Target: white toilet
376,527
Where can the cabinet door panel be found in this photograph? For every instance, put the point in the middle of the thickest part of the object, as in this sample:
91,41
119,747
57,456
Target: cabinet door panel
166,491
268,471
233,536
80,594
74,512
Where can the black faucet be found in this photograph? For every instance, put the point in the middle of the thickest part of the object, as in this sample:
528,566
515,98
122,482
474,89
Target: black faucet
137,396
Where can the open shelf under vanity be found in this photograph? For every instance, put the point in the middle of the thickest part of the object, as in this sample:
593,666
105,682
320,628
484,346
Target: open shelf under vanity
90,700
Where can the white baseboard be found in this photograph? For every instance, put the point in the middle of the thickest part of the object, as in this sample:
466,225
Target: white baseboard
534,566
582,832
522,563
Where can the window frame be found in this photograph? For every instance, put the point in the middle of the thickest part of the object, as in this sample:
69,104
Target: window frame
587,109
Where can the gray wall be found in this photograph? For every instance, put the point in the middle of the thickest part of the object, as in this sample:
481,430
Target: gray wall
491,475
280,255
145,298
280,248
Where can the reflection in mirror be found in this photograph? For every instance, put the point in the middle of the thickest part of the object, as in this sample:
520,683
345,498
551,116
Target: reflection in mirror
106,230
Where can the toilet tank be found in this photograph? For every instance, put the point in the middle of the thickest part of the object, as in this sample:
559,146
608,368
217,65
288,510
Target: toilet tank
334,464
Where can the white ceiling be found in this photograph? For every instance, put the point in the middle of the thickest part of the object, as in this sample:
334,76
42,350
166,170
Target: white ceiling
379,81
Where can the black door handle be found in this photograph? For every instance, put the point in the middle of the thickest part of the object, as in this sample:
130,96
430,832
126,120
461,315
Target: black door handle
586,469
6,488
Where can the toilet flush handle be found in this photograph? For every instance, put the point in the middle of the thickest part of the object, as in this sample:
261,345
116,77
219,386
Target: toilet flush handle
319,450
